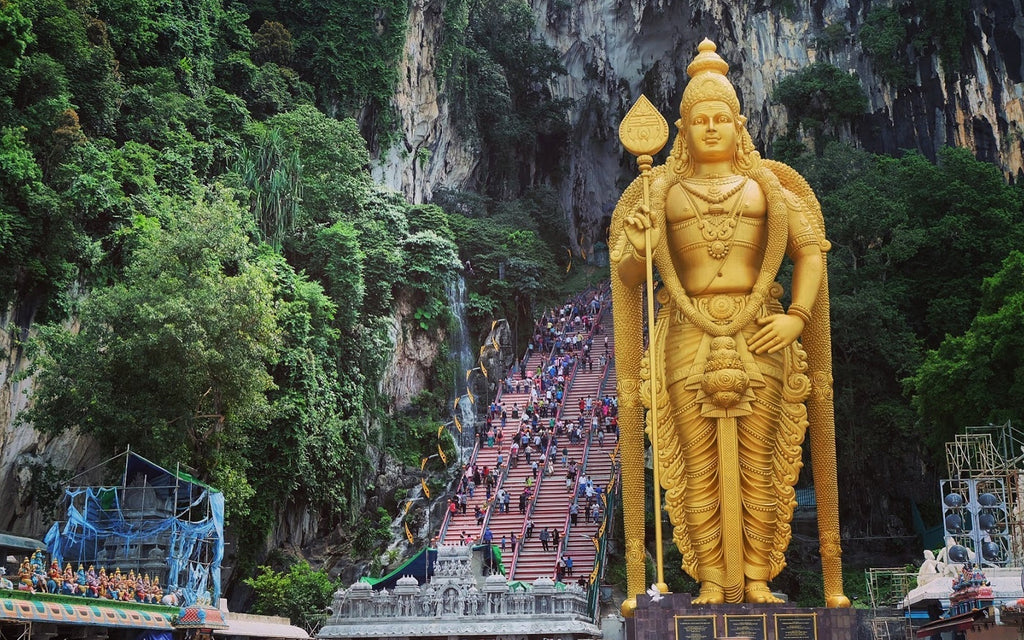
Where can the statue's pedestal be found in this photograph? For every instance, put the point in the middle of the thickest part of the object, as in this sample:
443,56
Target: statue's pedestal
675,617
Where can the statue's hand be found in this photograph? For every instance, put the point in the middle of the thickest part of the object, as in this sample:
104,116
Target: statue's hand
635,227
777,332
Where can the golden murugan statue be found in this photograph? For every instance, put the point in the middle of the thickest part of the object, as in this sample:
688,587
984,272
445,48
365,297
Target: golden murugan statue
734,389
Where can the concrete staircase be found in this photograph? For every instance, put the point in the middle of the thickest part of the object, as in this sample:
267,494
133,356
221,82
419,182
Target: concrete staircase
549,507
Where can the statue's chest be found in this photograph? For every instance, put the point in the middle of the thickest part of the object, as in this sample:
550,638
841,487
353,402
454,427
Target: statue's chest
715,216
716,203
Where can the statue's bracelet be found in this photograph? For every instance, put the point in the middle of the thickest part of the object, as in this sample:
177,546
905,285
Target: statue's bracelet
799,311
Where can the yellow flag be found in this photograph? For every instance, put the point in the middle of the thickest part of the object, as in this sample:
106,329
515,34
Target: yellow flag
440,428
423,463
408,534
426,491
408,503
469,393
440,452
458,425
483,369
455,405
468,371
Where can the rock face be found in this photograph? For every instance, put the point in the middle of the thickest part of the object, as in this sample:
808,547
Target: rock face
429,153
413,357
26,454
615,49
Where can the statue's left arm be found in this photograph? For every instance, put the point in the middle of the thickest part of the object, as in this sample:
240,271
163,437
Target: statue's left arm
780,330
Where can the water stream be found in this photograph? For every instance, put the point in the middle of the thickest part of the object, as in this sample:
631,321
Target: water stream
462,355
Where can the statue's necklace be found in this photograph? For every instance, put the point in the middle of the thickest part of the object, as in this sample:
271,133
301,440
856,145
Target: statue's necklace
717,229
714,195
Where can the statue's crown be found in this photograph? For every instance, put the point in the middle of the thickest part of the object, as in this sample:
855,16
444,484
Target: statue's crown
707,60
707,80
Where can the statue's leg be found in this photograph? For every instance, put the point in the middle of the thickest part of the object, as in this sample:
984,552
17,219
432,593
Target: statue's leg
757,434
701,500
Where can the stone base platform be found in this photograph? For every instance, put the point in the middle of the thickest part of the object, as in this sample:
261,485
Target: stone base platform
675,617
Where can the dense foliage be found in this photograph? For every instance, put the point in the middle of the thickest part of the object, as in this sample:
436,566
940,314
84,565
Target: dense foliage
912,242
892,34
297,594
187,218
821,98
171,183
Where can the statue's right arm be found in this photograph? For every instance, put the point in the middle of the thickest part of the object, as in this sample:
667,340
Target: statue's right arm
633,246
632,268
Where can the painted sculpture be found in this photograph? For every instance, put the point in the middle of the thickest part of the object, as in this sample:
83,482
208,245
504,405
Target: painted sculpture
733,388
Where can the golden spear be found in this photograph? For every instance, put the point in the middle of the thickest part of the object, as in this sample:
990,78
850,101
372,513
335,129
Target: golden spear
644,132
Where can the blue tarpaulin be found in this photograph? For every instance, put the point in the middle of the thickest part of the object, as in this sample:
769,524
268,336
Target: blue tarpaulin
170,513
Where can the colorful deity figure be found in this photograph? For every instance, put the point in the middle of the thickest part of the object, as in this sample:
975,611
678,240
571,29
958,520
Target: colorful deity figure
129,587
104,584
156,593
39,571
81,581
115,585
92,582
141,589
68,587
25,576
55,578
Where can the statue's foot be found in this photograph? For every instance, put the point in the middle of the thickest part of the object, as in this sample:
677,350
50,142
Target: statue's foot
838,601
757,591
710,594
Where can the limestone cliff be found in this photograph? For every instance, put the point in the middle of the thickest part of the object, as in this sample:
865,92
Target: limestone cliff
615,49
26,456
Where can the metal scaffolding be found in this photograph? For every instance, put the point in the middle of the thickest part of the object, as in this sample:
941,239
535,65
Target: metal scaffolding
992,456
891,629
887,587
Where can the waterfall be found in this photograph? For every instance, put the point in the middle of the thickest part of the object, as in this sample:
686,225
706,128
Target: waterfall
462,355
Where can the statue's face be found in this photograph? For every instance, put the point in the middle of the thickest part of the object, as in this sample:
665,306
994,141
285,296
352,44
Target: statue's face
711,132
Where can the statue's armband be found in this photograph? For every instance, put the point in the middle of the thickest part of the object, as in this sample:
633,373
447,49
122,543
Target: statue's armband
802,233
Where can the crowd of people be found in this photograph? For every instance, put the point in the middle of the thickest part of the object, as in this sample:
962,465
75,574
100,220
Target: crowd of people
537,433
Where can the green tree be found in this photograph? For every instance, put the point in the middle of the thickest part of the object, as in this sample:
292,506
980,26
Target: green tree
271,170
15,33
349,52
172,359
295,594
884,38
820,98
982,368
39,244
334,163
